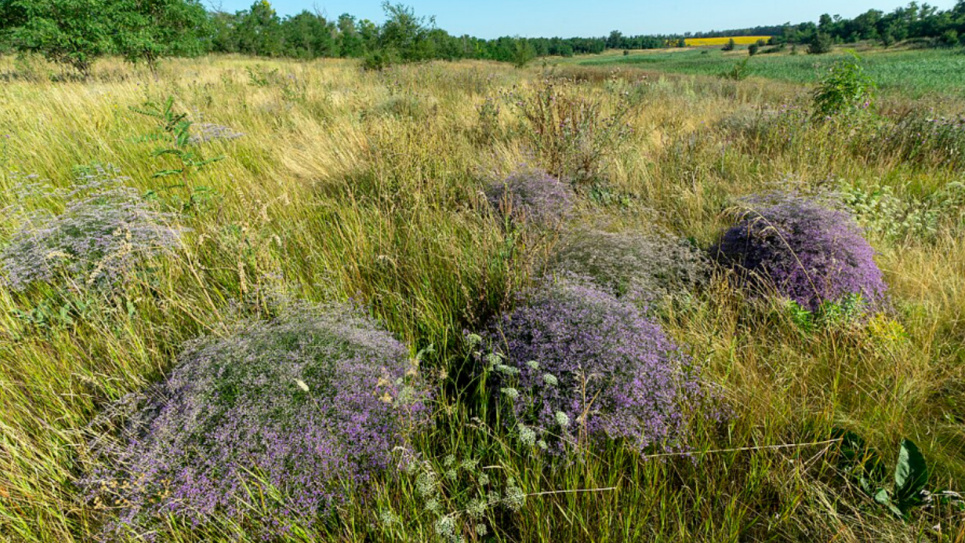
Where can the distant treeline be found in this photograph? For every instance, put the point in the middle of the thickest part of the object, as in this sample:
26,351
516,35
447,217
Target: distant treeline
912,21
260,31
75,32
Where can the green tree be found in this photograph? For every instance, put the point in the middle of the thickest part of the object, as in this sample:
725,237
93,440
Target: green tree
259,30
70,32
405,36
308,35
147,30
223,36
820,44
523,52
729,46
350,42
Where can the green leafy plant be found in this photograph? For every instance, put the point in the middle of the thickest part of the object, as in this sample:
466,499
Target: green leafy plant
262,77
173,135
829,314
906,488
572,134
910,478
845,89
738,71
462,497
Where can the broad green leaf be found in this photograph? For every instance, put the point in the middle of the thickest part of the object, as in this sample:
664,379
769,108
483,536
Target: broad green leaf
911,472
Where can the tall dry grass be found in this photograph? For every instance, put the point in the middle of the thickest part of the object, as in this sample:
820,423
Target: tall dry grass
362,185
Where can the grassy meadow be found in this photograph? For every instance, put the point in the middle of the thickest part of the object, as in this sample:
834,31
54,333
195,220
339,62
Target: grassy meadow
368,186
916,73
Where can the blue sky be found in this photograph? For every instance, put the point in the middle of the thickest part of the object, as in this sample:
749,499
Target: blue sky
567,18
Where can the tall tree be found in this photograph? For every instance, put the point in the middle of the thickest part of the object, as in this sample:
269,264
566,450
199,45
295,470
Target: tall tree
259,30
308,35
404,35
69,32
147,30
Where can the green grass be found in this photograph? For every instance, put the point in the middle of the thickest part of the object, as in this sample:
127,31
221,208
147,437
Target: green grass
914,73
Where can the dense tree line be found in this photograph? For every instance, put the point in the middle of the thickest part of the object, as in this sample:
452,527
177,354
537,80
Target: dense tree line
403,35
914,21
75,32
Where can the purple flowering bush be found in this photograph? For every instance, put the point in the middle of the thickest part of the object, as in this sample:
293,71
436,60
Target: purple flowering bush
808,252
576,364
532,196
104,231
301,412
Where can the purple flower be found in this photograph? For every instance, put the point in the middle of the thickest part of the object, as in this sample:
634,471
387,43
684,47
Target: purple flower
103,233
301,411
580,364
532,196
808,252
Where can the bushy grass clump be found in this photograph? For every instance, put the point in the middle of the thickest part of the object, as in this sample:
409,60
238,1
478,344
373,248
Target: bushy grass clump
272,426
641,266
104,230
532,196
576,363
807,252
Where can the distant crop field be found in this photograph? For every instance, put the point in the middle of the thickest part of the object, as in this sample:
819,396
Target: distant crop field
739,40
911,73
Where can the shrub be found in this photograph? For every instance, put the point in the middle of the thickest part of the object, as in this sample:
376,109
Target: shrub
640,266
752,49
581,364
845,89
103,233
729,46
533,196
808,252
300,412
907,218
571,133
738,72
820,44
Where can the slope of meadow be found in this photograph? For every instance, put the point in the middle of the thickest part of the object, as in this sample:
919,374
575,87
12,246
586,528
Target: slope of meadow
370,186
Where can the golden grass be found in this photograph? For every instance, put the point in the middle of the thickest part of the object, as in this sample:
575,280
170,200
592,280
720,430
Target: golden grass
367,185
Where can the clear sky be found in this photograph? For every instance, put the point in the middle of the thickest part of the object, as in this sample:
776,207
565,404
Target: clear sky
568,18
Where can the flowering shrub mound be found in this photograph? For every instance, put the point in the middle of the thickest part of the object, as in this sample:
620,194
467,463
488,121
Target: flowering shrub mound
103,232
291,416
577,363
636,265
810,253
532,196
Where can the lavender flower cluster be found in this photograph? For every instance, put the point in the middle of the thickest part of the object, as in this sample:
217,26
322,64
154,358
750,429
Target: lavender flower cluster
640,266
307,409
104,231
532,196
808,252
579,364
214,132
